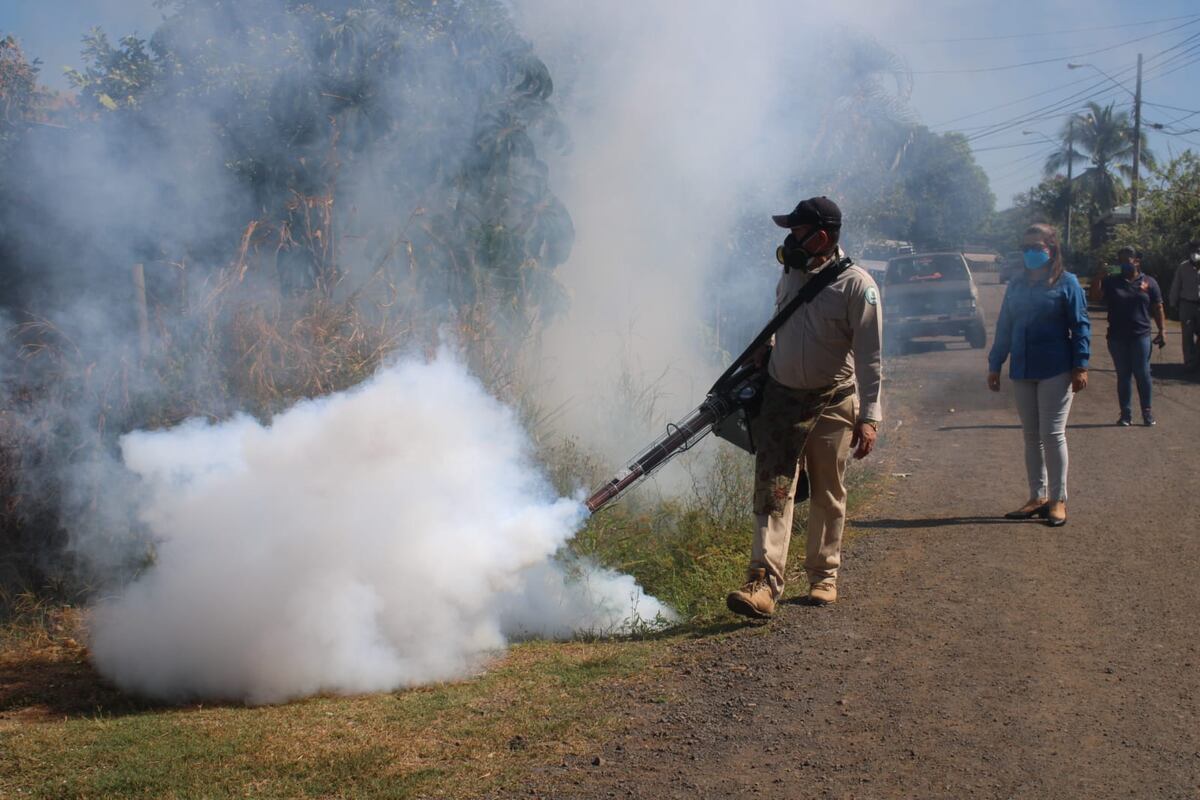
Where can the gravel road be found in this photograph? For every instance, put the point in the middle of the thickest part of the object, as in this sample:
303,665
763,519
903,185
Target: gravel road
969,656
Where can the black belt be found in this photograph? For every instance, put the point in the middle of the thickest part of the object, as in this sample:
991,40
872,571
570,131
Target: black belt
836,395
842,394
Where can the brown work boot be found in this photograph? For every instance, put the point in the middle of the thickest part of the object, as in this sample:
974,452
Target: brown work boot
755,599
822,593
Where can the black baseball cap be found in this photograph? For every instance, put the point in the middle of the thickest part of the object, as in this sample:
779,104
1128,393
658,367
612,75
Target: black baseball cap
819,211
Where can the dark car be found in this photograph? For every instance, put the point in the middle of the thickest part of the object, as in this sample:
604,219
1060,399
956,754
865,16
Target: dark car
1010,265
931,294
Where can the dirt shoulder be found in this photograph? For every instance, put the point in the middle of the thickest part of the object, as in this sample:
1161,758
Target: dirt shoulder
969,656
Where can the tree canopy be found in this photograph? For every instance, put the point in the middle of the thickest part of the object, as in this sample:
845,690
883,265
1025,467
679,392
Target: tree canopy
359,135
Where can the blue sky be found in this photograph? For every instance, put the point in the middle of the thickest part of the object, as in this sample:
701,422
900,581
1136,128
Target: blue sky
953,47
942,40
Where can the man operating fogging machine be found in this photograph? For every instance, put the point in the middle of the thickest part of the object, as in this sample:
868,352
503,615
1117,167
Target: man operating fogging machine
820,402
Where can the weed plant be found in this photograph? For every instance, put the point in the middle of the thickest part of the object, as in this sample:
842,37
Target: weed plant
688,548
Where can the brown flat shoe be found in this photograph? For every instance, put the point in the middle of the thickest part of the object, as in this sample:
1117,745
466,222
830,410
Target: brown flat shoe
1034,508
1056,520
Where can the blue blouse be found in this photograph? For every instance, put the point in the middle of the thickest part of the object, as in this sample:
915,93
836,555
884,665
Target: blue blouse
1044,328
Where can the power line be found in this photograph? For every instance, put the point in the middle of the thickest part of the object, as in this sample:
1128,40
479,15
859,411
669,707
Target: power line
1025,119
1058,33
1181,55
1053,109
1028,157
1005,146
1078,97
1184,65
1191,112
1005,67
1048,111
1039,115
1084,79
1181,43
1025,165
1179,119
1049,148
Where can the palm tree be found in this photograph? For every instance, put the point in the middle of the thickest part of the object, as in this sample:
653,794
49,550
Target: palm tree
865,111
1103,140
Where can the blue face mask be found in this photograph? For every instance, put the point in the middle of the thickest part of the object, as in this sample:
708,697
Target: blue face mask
1036,259
1128,269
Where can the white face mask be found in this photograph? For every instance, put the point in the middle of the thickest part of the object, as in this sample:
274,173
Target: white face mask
1195,258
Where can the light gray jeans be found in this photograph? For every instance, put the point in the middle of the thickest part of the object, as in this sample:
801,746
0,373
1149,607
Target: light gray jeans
1043,406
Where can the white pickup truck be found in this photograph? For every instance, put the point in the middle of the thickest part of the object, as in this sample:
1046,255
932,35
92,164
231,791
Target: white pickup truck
931,294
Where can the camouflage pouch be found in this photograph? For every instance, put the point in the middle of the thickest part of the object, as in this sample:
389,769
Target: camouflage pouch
780,432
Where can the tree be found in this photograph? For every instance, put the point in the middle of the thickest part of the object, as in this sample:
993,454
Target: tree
299,188
20,93
1046,202
363,134
1169,216
114,77
947,193
1102,139
897,178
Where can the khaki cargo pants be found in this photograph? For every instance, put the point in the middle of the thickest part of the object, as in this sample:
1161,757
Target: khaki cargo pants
788,433
1189,323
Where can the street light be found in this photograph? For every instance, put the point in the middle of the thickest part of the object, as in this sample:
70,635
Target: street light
1105,74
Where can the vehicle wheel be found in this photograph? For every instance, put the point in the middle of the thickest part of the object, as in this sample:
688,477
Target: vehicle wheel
977,337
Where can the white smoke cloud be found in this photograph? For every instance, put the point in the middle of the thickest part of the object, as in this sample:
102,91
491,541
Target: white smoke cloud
382,537
674,114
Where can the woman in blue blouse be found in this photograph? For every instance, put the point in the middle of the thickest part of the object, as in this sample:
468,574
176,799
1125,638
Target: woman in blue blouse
1044,326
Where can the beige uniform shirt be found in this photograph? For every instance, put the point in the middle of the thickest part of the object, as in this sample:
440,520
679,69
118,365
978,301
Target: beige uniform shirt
834,340
1186,284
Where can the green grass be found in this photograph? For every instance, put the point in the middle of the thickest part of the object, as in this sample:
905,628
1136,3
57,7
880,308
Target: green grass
65,734
692,550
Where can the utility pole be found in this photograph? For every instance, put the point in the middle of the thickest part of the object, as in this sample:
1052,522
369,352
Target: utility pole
1137,142
1070,195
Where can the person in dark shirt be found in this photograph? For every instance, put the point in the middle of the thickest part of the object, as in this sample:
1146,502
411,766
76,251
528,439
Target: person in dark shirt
1133,299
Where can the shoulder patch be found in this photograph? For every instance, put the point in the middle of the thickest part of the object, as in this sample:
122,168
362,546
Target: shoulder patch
872,296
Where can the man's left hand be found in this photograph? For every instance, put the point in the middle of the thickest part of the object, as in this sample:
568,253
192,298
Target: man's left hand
863,440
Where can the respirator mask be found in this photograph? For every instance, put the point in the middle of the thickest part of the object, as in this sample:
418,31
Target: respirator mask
792,253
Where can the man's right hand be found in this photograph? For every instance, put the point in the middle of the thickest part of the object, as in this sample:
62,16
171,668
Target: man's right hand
994,381
759,357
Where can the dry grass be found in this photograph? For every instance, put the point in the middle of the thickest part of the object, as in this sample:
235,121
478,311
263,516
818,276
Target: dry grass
231,344
64,733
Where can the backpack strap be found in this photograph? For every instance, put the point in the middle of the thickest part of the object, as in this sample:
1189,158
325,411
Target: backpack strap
807,292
